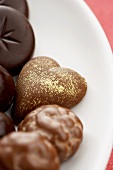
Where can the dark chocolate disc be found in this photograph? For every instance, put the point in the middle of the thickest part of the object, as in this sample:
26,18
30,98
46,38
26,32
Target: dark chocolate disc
6,125
7,89
16,39
20,5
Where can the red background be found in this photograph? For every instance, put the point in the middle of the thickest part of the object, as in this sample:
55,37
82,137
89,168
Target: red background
103,9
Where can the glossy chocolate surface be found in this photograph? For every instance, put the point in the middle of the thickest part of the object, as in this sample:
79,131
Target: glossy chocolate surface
7,89
16,39
6,125
59,125
27,151
20,5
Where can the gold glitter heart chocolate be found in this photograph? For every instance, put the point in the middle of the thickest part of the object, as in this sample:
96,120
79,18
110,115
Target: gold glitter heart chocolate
42,81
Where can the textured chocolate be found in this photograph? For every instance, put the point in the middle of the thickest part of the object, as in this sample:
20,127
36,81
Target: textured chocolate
6,125
40,84
27,151
7,89
59,125
33,69
16,39
20,5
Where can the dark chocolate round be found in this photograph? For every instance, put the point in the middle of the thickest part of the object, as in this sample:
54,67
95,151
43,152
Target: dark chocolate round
20,5
7,89
16,39
6,125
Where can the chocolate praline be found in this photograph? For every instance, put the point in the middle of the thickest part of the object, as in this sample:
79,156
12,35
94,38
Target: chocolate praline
59,125
16,39
6,125
27,83
20,5
27,151
7,89
41,82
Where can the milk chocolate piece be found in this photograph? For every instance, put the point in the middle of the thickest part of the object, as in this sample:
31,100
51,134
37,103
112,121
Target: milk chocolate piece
39,85
30,74
27,151
6,125
7,89
20,5
16,39
59,125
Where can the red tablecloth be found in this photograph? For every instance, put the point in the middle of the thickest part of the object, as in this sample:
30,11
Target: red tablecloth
103,9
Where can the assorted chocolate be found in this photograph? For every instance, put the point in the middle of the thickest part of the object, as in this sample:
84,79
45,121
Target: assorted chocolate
6,125
27,151
20,5
59,125
16,39
41,84
7,89
48,132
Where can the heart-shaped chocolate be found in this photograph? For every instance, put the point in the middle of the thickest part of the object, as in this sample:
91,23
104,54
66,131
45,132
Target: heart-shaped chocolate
42,81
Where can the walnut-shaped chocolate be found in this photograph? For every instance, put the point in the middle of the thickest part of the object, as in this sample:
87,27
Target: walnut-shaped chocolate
59,125
27,151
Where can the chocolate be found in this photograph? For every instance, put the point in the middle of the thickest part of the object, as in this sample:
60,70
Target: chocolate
6,125
33,69
7,89
39,85
20,5
59,125
27,151
16,39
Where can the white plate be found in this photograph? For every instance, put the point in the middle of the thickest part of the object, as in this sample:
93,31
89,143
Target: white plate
67,31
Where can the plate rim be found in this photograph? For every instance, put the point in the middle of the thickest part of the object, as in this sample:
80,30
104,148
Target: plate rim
95,22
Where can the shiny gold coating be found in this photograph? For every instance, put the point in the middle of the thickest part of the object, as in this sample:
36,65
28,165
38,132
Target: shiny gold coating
42,81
